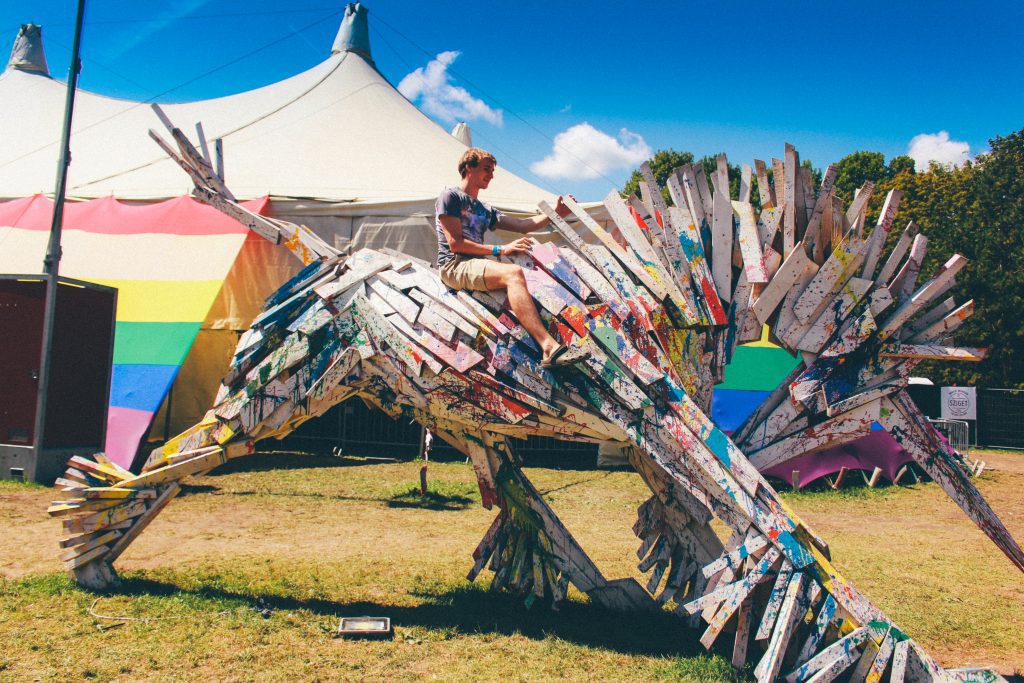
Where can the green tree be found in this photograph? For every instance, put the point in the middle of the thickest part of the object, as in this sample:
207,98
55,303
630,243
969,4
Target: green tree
855,169
978,211
662,164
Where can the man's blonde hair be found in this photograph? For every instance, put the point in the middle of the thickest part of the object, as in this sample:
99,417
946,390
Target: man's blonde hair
472,158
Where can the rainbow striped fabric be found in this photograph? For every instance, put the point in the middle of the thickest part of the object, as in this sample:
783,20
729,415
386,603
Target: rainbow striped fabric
755,371
167,260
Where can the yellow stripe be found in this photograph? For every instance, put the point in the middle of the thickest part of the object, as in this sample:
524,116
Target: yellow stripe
763,341
163,301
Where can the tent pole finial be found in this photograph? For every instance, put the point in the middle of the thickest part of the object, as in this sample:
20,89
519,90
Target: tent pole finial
27,53
354,32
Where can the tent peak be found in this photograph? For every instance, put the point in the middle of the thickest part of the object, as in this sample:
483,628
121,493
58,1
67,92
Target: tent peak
354,33
462,133
27,53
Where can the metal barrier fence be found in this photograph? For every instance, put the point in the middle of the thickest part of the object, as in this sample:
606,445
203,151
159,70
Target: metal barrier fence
957,433
1001,418
353,428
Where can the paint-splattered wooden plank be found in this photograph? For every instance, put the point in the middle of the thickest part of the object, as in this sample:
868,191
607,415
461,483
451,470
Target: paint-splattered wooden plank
817,334
929,291
722,232
357,272
483,314
96,521
855,213
771,610
831,661
606,371
548,256
735,557
460,357
899,250
903,284
750,246
665,238
944,327
626,222
379,328
826,615
790,217
869,650
932,352
813,238
738,598
877,239
615,343
882,657
805,198
426,301
625,257
787,328
790,612
839,267
742,639
746,176
693,249
403,305
844,403
789,273
430,319
764,189
900,655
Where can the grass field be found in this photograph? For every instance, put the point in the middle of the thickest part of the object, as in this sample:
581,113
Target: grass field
245,575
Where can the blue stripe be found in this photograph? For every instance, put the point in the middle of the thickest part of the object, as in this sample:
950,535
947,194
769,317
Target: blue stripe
141,387
729,407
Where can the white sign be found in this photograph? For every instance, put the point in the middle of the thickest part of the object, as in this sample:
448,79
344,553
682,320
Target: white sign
959,403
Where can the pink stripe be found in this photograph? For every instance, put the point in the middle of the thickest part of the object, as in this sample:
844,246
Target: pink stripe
178,216
125,428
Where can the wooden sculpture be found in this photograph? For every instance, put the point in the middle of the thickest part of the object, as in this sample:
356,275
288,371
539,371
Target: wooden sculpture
660,300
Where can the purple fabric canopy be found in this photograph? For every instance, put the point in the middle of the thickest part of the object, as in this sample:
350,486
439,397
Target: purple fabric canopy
877,449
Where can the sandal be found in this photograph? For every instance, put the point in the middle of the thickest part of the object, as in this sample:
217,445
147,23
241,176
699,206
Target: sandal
563,356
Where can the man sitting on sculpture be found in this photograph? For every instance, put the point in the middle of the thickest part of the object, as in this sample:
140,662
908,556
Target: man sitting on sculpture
461,220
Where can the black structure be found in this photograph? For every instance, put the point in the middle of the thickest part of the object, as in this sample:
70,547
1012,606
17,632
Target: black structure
81,360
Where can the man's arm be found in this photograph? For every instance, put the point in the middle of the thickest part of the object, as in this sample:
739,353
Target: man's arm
527,225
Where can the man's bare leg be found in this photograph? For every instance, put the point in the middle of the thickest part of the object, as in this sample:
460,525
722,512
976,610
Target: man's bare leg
509,277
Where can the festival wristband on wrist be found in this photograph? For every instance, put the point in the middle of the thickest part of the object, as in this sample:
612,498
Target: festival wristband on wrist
496,250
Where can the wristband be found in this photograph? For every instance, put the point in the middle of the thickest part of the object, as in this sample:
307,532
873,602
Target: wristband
496,251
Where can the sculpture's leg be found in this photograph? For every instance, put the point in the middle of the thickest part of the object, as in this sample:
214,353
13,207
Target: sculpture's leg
111,506
530,550
912,431
675,537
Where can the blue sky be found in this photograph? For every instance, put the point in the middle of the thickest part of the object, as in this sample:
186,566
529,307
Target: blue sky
609,81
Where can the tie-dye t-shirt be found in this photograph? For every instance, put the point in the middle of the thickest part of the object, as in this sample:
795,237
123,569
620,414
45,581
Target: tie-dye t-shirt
475,216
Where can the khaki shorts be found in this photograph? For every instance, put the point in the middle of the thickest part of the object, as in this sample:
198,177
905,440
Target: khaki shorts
465,273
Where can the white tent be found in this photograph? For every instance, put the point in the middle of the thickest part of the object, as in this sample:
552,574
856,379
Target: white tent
336,147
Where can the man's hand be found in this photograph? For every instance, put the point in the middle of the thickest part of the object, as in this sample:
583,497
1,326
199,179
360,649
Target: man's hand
561,209
523,245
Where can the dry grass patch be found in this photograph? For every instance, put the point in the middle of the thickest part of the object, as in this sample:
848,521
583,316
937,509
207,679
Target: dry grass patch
307,540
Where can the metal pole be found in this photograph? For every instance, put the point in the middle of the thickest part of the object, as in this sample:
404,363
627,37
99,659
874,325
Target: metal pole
51,264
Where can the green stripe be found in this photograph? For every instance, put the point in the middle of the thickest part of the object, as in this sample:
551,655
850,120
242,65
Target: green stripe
757,368
153,343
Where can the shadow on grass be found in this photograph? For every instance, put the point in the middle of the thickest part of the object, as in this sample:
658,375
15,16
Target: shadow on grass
286,460
468,610
434,500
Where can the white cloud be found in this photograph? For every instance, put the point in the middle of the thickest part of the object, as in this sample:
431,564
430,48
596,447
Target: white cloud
583,152
926,148
438,97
